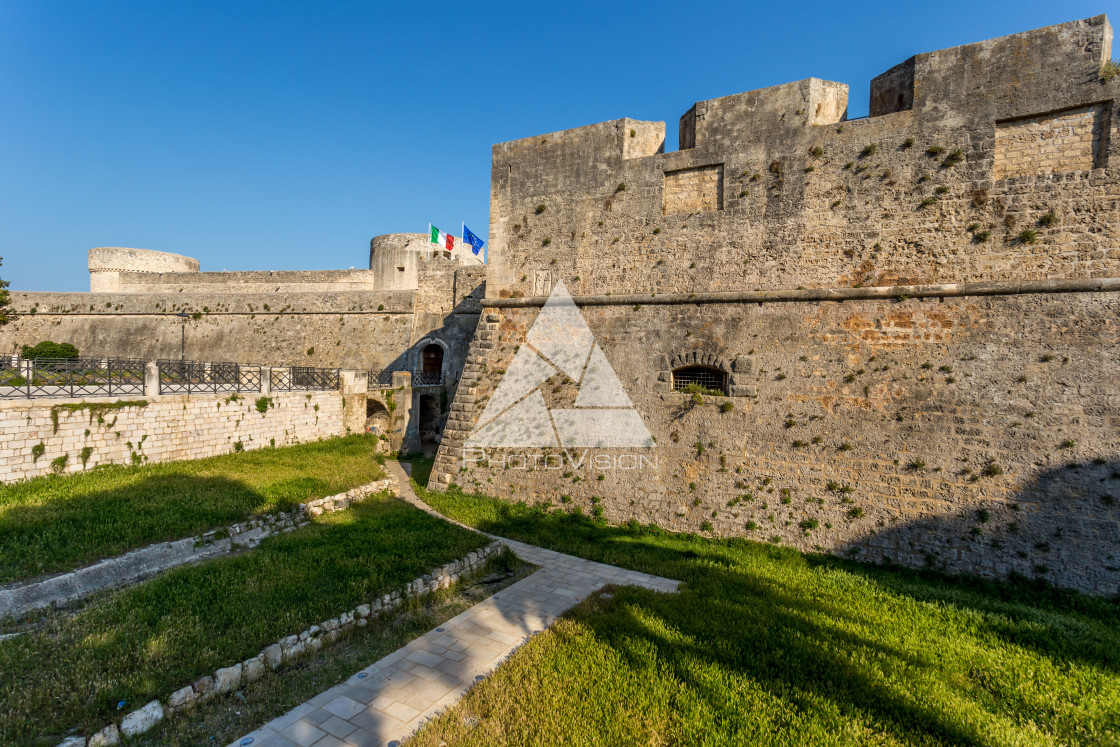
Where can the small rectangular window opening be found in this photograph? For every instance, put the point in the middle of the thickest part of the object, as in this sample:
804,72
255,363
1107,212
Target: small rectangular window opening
691,377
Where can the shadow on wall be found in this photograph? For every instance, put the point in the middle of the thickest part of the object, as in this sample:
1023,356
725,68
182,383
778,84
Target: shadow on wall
1063,527
447,332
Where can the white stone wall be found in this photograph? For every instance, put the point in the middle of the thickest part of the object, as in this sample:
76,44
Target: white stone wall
168,428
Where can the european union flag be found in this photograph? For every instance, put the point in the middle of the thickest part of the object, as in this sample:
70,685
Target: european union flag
469,237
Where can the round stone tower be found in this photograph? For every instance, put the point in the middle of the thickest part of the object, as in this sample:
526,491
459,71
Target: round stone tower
106,263
393,258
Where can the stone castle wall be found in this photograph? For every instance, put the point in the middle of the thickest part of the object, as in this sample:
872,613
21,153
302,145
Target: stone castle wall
914,404
368,330
169,427
973,429
110,266
240,321
773,189
294,281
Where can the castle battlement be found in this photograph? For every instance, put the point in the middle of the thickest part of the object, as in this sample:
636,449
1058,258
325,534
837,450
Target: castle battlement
919,305
774,188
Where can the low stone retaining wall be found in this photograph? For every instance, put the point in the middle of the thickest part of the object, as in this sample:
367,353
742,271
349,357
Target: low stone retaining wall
46,436
225,680
67,588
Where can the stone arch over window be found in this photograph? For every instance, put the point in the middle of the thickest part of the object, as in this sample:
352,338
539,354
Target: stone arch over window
708,370
377,416
430,361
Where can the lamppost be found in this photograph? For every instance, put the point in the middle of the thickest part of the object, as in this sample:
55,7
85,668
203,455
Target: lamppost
183,336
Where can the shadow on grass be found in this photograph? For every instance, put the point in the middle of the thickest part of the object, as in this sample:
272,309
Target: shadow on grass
74,531
914,654
146,641
60,522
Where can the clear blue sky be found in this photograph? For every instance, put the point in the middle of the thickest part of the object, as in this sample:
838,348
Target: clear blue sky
280,135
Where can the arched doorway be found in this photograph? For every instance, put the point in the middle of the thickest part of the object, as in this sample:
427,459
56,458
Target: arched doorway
431,365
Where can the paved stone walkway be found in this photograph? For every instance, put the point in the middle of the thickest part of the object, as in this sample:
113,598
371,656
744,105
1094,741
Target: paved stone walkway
385,702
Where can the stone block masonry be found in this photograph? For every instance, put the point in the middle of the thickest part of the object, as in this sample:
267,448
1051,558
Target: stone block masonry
980,142
973,429
1071,140
970,434
44,436
698,190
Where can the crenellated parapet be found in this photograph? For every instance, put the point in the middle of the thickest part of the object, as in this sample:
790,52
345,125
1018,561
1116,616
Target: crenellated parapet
988,161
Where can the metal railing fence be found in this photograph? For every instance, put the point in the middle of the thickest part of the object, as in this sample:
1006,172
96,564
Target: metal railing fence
305,378
187,377
70,377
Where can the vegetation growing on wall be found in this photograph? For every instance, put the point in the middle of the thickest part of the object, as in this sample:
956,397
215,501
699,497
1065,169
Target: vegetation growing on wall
5,299
96,410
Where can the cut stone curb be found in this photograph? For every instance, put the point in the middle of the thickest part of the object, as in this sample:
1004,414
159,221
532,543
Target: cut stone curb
145,562
225,680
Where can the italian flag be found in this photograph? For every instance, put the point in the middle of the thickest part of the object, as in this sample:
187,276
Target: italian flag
440,238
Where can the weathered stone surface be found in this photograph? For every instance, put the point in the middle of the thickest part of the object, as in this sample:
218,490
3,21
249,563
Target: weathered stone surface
110,736
204,688
179,427
227,679
139,721
932,417
294,650
73,742
252,669
273,656
181,698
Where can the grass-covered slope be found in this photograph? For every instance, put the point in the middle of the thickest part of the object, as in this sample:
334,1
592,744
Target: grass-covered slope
146,641
61,522
765,645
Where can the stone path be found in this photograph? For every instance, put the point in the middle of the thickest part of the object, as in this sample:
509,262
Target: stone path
385,702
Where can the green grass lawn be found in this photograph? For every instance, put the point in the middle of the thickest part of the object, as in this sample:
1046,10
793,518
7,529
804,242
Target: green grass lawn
222,720
60,522
146,641
765,645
